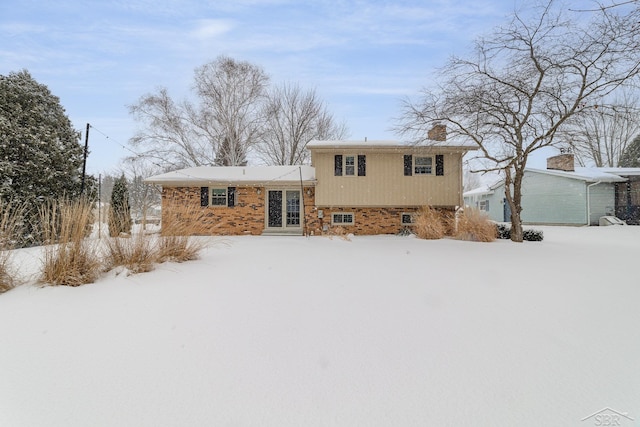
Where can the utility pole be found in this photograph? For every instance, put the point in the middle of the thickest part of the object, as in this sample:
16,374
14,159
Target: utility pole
84,163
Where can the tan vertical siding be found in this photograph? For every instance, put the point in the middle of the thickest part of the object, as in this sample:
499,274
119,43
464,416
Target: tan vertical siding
385,183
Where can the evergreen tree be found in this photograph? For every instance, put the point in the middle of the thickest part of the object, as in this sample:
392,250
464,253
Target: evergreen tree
119,214
631,156
40,153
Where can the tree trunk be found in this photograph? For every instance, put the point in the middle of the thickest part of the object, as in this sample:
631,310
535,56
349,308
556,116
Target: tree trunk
515,201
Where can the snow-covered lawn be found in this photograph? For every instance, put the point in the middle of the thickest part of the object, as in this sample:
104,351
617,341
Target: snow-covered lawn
375,331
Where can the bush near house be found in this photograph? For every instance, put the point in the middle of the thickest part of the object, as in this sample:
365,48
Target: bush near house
475,226
429,224
503,231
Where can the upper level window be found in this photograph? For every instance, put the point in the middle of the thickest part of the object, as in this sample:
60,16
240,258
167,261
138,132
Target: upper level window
349,165
422,165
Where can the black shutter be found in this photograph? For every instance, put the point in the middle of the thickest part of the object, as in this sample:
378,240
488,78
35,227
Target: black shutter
439,164
362,165
231,196
338,165
408,164
204,196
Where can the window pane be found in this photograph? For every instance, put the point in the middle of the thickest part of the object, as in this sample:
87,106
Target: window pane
349,165
219,196
293,208
423,165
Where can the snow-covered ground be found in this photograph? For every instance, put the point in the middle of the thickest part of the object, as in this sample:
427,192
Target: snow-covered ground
375,331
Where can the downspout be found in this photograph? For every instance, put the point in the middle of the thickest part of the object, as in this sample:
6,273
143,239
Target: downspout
304,214
589,201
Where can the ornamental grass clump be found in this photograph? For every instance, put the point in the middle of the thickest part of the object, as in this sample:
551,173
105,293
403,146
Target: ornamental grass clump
69,257
429,224
177,242
475,226
11,220
136,253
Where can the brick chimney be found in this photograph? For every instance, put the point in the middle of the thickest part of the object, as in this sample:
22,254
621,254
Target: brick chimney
561,162
437,133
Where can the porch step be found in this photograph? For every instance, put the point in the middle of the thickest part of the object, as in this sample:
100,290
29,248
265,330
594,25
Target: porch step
282,232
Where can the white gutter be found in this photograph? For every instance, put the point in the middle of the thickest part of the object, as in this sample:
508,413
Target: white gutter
589,201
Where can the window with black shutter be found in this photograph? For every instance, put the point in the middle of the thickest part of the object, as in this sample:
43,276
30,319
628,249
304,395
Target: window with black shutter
231,197
362,165
408,164
204,196
338,165
439,164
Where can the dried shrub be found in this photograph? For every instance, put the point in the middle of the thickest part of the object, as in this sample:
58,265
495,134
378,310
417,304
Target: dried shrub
339,231
475,226
11,226
69,258
136,253
177,242
429,224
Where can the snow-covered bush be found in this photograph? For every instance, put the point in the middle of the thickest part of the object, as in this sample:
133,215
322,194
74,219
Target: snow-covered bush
533,235
503,231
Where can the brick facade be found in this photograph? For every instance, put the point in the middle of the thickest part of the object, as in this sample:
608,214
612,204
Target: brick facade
367,221
247,217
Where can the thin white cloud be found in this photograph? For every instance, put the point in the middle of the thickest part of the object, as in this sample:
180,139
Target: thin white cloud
206,29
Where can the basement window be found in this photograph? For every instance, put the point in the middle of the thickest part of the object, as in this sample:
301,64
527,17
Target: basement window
340,218
407,218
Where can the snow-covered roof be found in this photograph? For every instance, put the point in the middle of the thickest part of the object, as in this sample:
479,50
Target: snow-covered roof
235,174
581,173
480,191
622,171
386,144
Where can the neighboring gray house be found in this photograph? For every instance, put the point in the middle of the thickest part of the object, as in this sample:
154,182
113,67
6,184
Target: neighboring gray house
558,195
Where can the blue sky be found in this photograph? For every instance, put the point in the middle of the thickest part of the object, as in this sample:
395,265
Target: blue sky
362,57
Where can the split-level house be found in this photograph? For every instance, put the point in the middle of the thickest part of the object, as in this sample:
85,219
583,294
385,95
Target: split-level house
359,187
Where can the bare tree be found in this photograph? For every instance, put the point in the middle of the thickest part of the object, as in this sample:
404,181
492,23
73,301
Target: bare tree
143,197
601,134
231,94
524,82
293,117
172,135
219,129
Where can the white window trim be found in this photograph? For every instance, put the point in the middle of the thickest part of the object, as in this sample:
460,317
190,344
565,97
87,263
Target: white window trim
333,215
415,158
344,164
412,215
226,196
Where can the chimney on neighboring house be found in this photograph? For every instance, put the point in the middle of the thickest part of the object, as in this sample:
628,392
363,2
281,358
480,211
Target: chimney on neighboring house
562,162
438,132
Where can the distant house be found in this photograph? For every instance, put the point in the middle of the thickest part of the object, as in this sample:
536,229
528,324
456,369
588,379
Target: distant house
564,194
360,187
